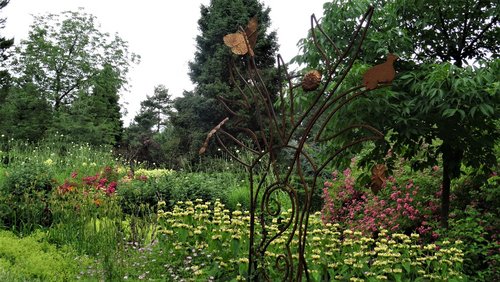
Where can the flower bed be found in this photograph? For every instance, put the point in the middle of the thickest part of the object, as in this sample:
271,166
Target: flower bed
209,242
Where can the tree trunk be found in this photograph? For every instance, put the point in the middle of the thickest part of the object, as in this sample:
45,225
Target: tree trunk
452,158
445,192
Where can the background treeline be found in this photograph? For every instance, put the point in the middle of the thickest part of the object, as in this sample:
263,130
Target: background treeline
65,80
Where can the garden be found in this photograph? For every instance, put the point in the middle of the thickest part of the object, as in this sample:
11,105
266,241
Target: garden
73,212
376,160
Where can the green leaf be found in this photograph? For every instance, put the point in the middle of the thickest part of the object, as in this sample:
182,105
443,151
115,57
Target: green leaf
486,109
407,267
473,111
449,112
462,114
235,247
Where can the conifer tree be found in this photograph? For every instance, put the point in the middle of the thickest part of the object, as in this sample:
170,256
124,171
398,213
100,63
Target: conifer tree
199,111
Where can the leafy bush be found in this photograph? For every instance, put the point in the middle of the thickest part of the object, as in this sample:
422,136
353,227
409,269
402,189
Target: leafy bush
205,186
178,186
398,207
24,196
475,219
142,190
482,252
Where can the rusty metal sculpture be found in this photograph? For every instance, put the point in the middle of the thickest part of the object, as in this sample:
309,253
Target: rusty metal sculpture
288,129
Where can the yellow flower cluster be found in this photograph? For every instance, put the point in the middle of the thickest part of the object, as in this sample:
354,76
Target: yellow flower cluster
346,255
154,173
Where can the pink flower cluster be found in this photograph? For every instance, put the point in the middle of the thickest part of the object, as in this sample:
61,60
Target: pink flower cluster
99,182
398,208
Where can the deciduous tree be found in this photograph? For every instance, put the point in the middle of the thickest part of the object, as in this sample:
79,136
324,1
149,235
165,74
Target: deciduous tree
444,104
65,52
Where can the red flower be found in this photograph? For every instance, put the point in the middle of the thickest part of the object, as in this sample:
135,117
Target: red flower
111,188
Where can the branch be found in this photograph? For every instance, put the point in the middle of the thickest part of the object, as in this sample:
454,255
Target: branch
470,48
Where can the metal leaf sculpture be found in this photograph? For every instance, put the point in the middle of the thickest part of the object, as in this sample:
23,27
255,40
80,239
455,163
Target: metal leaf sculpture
279,145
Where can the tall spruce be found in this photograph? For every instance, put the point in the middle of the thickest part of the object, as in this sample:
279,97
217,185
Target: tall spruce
93,117
199,111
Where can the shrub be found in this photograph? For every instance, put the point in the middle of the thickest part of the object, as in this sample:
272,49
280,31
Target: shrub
398,207
142,190
205,186
178,186
24,196
475,219
482,252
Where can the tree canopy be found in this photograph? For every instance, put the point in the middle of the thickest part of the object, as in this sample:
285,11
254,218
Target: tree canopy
5,45
65,52
72,74
444,103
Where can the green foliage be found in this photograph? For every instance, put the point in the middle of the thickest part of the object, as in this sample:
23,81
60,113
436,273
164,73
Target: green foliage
67,76
31,174
32,259
207,187
456,105
24,114
63,53
120,231
481,256
95,117
436,108
24,197
5,45
209,242
57,155
212,70
145,138
475,219
174,187
143,191
238,197
195,117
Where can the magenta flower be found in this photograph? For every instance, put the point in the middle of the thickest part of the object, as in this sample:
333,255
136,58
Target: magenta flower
111,188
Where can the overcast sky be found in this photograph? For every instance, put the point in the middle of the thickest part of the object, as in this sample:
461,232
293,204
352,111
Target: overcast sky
162,32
